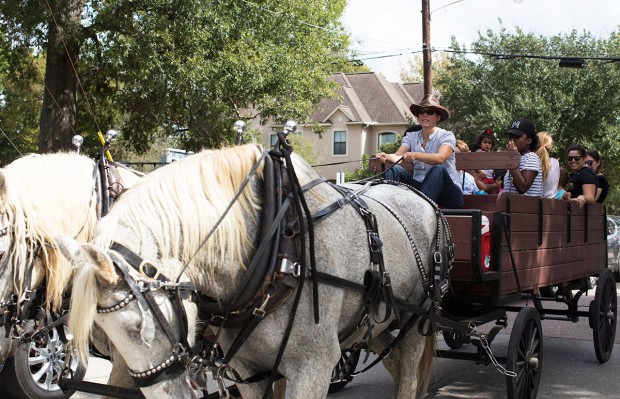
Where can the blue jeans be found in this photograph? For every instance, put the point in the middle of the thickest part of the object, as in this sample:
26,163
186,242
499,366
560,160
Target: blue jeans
437,185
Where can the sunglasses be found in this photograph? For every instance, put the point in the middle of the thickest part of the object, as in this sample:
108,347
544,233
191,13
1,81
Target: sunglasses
589,162
577,158
427,112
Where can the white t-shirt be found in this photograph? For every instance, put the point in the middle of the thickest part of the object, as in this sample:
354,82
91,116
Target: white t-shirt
529,161
550,186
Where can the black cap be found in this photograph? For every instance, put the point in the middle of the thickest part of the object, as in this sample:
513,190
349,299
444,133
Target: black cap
522,126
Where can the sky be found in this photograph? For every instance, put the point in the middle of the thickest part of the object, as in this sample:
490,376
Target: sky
387,27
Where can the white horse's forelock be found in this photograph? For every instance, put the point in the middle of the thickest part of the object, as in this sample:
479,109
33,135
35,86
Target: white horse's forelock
32,200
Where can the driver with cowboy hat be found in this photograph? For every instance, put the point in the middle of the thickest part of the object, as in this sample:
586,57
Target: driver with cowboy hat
431,151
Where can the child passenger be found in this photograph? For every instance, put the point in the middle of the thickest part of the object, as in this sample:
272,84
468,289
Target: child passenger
485,143
564,180
527,179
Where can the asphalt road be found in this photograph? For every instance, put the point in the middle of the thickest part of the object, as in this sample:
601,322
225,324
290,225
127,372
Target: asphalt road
570,369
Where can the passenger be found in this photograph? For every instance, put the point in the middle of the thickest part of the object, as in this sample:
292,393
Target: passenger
470,182
485,143
583,179
550,166
593,160
431,150
563,181
527,179
498,178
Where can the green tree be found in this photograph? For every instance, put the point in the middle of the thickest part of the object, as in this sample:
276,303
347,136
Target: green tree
21,76
150,67
574,105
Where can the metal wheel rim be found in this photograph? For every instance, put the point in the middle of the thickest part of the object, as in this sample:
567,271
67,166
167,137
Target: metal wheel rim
528,357
607,311
46,361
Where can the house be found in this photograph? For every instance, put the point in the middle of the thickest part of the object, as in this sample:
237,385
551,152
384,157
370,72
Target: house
367,111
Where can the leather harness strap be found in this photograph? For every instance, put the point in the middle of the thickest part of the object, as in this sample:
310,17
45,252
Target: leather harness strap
180,347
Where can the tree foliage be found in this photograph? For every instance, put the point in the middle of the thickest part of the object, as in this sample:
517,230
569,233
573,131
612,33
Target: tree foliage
150,67
20,101
574,105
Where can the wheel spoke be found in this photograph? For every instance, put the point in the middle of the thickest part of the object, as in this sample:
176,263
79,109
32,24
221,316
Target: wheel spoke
34,360
49,378
37,376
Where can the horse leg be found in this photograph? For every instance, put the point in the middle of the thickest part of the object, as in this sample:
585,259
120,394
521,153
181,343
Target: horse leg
402,363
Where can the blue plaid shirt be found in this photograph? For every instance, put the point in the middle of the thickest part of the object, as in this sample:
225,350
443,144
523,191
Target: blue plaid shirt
413,140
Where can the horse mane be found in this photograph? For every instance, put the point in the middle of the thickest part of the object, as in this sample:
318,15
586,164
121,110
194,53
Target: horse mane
47,195
177,206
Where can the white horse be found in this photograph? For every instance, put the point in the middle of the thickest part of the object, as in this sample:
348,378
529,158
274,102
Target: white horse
41,197
164,221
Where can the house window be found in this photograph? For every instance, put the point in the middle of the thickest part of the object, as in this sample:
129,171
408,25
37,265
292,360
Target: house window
387,138
340,143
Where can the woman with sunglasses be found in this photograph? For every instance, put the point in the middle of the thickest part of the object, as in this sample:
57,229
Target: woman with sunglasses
431,151
583,179
593,160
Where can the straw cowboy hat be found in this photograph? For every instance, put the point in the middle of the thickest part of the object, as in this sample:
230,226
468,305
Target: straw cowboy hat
429,101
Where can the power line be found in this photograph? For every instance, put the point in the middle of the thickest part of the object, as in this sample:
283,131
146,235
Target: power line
14,146
504,56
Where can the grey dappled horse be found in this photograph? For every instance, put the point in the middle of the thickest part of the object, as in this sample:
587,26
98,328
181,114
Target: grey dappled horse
164,221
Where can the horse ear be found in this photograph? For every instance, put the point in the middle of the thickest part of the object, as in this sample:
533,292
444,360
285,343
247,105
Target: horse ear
69,248
101,262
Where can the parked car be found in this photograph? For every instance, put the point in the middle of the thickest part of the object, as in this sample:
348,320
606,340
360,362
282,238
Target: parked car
613,245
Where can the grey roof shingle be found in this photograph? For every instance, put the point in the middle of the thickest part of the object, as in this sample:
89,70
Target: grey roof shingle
369,98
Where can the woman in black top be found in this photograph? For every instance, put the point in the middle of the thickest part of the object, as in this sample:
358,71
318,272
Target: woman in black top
583,179
593,160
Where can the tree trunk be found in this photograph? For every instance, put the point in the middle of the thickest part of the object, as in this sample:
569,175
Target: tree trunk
58,114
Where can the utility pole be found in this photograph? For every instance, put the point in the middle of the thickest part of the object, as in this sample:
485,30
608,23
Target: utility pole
426,48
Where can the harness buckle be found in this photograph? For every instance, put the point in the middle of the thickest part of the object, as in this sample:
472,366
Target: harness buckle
27,295
219,379
178,350
146,268
437,257
290,267
261,311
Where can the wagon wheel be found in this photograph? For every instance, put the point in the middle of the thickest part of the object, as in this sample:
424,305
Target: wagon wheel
343,372
35,369
454,339
525,352
603,315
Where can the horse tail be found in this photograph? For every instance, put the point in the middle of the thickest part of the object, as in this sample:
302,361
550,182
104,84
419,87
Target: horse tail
84,296
426,363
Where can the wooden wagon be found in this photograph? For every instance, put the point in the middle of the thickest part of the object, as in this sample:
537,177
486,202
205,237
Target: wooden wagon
510,248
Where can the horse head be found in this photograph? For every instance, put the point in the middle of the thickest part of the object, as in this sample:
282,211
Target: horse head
120,301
